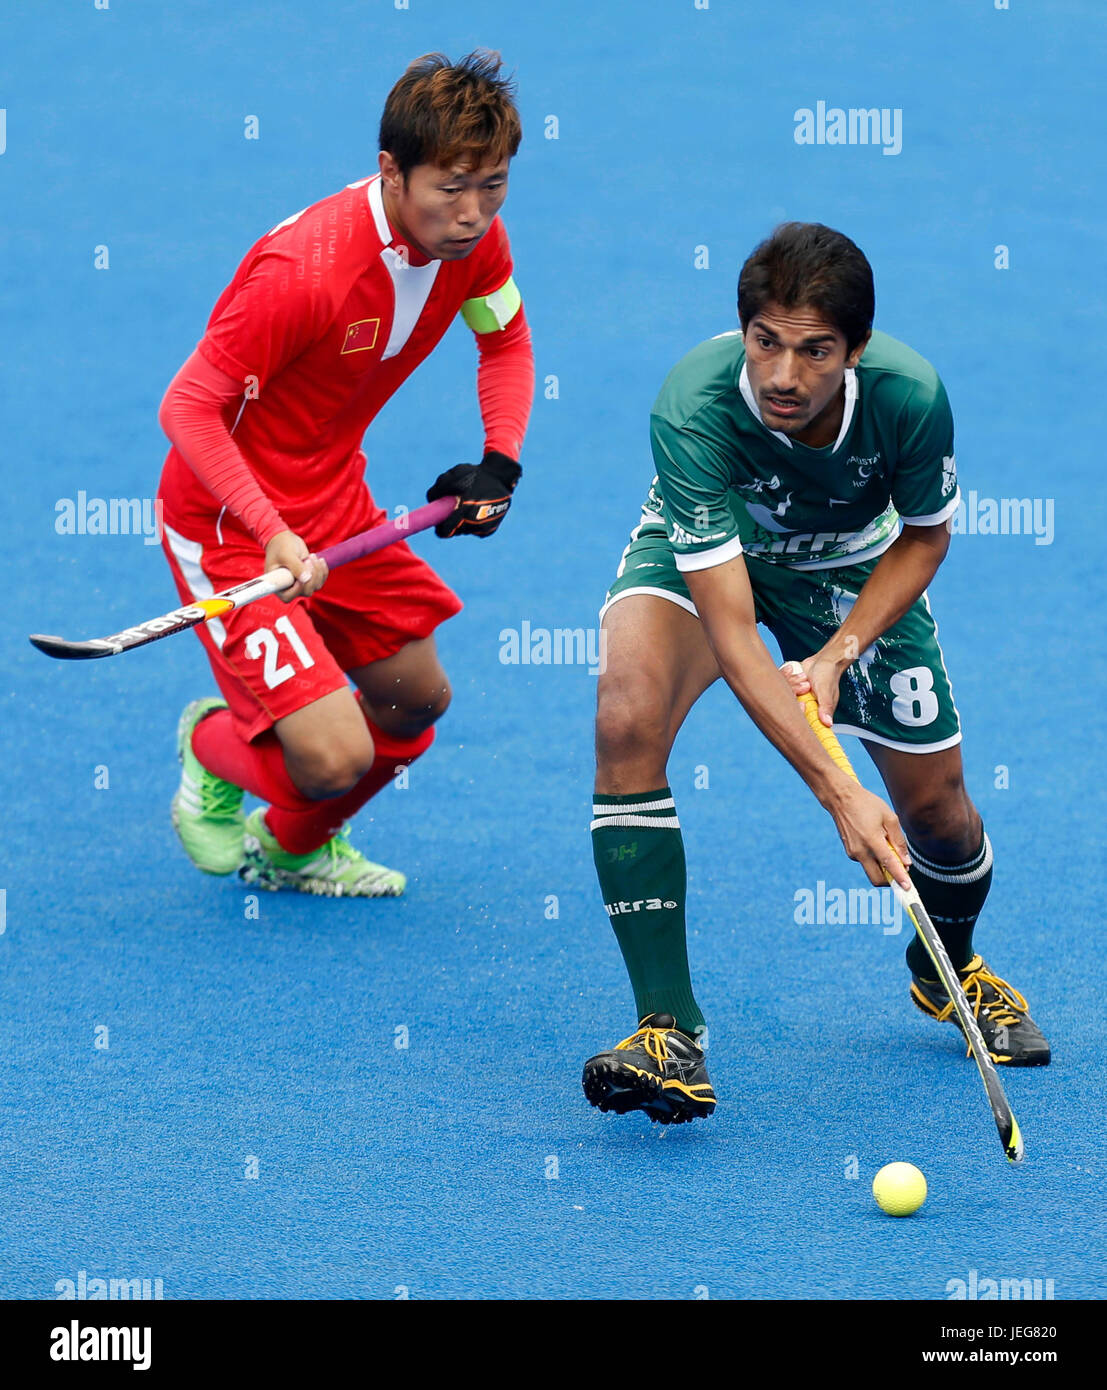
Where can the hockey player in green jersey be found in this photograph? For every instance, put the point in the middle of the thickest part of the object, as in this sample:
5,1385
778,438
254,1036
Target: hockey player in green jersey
805,480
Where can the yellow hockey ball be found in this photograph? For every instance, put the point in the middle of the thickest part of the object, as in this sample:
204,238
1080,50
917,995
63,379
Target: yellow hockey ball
899,1189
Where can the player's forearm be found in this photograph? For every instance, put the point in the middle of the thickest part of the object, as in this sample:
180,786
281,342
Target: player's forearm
505,385
191,415
767,698
899,577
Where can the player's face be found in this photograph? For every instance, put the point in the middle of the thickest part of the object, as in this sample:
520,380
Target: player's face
796,361
444,212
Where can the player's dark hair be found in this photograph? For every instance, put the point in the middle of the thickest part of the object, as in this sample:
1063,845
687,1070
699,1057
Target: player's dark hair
446,113
805,263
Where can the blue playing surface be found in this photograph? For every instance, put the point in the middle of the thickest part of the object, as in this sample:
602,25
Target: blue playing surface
266,1037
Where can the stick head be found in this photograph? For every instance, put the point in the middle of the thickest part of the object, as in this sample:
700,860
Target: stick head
72,651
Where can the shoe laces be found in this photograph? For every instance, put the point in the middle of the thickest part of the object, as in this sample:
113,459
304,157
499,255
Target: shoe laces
218,797
1004,1006
337,848
653,1042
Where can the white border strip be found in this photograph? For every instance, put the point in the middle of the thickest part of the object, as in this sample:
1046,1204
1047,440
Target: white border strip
708,559
867,736
678,599
935,518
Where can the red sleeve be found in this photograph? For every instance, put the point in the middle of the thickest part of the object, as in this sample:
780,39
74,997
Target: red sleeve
191,414
267,318
505,384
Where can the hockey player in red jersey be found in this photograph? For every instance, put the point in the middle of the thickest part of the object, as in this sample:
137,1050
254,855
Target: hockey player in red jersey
333,685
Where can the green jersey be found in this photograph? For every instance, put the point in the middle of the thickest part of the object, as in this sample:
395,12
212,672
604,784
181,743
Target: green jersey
727,484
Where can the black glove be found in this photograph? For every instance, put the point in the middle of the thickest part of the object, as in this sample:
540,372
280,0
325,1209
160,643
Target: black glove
485,490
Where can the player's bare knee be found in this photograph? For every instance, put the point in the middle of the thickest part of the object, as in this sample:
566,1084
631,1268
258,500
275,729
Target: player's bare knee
431,710
413,715
332,771
631,722
942,821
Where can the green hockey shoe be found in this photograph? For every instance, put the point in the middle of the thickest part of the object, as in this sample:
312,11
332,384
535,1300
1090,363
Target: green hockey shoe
336,870
206,811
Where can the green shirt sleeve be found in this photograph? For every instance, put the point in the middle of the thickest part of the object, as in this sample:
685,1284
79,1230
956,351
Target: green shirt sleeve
924,486
694,478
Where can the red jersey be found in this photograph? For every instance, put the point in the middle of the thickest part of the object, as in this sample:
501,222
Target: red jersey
325,318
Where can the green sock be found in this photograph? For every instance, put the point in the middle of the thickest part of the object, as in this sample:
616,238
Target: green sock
953,895
639,854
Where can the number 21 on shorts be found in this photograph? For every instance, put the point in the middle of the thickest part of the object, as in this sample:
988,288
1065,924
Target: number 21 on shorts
263,642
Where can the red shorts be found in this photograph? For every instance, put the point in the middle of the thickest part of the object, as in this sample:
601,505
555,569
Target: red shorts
272,658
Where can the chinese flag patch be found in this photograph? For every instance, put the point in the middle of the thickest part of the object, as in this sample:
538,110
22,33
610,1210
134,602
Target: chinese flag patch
361,336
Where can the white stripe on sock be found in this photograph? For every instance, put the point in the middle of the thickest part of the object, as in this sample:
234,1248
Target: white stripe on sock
948,873
617,808
647,822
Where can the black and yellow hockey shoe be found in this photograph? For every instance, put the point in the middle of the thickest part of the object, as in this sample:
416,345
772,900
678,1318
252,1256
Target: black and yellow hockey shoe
658,1070
1011,1035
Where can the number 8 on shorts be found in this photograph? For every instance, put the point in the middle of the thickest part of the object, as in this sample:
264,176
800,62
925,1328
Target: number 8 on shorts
915,702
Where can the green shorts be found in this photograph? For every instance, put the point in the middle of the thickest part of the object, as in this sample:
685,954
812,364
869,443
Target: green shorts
896,693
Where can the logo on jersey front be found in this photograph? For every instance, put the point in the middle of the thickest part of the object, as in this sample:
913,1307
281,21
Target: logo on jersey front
866,467
949,475
361,336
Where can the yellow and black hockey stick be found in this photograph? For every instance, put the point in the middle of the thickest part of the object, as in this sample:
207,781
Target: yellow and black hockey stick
928,935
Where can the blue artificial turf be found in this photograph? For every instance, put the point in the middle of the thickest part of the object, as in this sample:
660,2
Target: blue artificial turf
467,1164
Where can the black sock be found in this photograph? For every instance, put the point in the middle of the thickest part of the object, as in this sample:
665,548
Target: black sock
953,895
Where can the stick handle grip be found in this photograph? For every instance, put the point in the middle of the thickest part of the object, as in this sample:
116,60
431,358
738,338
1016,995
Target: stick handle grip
829,741
355,547
388,533
826,736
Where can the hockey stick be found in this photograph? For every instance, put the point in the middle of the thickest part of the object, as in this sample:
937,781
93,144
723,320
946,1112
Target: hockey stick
935,949
202,610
